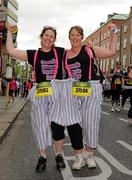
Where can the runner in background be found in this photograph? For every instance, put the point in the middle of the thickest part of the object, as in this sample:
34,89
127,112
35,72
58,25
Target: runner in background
116,86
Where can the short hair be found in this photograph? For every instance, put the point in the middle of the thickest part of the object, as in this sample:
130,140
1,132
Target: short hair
48,28
79,29
129,67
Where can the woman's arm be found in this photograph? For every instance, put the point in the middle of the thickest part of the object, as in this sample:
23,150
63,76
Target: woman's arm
104,52
10,47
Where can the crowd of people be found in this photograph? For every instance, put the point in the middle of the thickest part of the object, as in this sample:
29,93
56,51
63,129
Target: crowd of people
17,88
67,93
117,86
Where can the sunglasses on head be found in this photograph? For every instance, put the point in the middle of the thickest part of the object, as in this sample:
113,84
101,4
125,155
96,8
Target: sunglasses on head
50,27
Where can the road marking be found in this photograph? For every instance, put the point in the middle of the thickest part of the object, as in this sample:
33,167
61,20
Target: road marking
125,108
127,146
113,161
106,170
67,144
123,119
105,113
66,132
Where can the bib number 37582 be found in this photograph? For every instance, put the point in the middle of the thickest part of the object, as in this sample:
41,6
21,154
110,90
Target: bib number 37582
81,89
44,89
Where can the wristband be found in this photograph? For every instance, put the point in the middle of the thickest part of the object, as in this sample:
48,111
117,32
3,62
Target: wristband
114,30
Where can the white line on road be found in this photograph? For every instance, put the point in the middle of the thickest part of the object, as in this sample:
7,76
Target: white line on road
113,161
106,170
105,113
123,119
127,146
66,132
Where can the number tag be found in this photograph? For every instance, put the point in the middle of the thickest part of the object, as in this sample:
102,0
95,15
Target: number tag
81,89
117,81
129,82
44,89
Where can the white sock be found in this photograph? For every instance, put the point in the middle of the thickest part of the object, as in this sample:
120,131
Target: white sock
44,155
89,154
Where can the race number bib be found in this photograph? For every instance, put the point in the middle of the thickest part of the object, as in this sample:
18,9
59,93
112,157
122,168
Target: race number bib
129,82
117,81
81,89
44,89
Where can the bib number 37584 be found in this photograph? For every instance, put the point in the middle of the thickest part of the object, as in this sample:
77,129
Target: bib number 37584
81,89
44,89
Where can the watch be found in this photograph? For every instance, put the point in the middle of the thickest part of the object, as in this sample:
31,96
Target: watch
115,30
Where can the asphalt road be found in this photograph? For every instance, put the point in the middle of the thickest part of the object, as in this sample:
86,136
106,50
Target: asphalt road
18,153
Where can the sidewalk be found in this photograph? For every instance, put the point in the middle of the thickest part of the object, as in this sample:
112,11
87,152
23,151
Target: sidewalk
8,117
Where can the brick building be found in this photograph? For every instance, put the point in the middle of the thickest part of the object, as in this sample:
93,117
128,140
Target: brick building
101,38
8,13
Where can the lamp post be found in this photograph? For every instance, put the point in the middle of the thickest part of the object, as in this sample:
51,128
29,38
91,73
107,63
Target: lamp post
8,76
2,26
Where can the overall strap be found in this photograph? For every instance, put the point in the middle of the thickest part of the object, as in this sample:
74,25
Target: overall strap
56,59
34,62
66,65
90,63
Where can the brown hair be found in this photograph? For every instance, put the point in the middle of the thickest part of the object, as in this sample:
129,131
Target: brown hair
129,67
48,28
79,29
118,63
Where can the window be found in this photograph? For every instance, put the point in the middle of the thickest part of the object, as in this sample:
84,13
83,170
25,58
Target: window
112,63
124,60
108,34
95,41
5,3
98,39
107,45
125,28
104,66
107,64
125,43
12,8
117,59
118,46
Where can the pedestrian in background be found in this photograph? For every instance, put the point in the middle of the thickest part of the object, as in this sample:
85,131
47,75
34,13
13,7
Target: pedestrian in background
3,85
116,86
12,89
127,89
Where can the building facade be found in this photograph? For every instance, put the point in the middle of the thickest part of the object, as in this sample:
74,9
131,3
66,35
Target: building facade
101,38
8,13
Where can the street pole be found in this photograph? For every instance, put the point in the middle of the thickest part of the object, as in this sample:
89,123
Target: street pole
0,54
9,73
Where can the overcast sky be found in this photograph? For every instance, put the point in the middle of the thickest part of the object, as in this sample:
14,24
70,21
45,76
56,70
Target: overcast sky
62,14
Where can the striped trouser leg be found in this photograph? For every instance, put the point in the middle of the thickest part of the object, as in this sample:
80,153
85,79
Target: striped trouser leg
40,125
65,108
91,114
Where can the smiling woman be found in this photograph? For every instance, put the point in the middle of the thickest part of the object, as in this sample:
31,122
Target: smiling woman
79,65
47,63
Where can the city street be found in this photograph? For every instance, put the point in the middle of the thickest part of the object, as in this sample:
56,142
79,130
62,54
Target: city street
18,153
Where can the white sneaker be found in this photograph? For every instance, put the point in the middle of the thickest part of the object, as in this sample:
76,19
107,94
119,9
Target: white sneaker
130,121
122,108
118,109
91,162
78,162
112,109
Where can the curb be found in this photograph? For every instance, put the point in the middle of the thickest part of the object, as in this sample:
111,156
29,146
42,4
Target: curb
5,134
